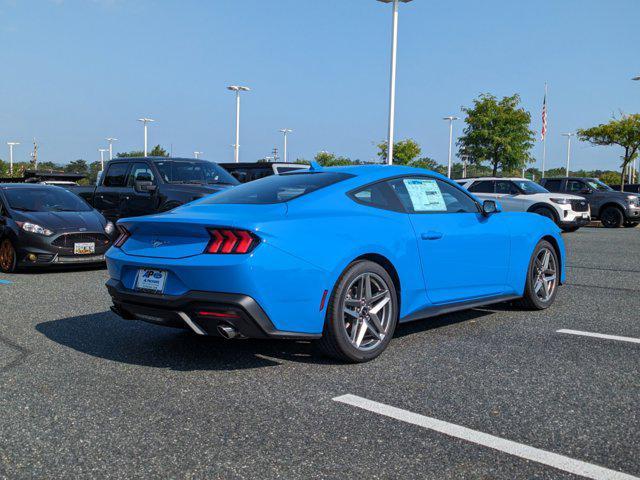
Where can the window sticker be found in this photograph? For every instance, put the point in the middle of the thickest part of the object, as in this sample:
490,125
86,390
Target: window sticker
425,195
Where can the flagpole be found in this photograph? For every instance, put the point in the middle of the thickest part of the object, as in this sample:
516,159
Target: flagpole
544,139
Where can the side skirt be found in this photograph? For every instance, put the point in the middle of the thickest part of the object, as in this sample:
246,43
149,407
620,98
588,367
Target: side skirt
435,310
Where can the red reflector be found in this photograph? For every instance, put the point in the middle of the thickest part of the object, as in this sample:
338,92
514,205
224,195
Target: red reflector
324,298
124,236
206,313
231,241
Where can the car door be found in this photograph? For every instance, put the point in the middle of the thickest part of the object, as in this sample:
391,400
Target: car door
582,189
109,195
136,203
464,254
509,196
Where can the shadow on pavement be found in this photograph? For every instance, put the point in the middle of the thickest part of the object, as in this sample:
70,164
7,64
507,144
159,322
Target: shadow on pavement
106,336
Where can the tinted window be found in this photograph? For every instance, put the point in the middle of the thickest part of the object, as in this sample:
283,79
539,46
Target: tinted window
277,188
553,185
598,186
575,186
484,186
504,187
50,199
173,171
140,171
428,195
378,195
528,187
116,175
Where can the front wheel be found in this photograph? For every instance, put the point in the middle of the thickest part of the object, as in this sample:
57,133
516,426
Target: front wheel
612,217
630,224
362,314
546,212
543,277
8,256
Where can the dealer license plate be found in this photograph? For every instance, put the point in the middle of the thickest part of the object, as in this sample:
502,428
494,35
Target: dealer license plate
84,248
151,280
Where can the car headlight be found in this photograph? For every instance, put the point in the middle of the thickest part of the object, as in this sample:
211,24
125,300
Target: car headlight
109,228
633,200
33,228
561,201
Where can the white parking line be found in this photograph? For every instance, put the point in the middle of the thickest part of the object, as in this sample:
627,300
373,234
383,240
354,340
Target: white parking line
554,460
600,335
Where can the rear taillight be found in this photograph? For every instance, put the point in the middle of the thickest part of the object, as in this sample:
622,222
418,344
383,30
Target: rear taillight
124,236
231,241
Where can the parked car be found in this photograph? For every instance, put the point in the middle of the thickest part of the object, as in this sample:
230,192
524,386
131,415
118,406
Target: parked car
338,255
248,172
44,225
132,187
569,212
614,209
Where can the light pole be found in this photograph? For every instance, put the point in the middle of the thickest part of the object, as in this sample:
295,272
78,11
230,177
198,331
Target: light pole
102,150
111,140
11,145
238,89
145,121
568,135
285,132
392,87
451,119
197,154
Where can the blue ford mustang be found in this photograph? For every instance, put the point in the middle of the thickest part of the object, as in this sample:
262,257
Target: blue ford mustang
337,255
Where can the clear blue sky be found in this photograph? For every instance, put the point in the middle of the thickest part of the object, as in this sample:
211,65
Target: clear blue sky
76,71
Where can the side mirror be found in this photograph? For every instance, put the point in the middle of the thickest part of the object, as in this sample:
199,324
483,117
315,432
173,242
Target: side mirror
490,207
144,186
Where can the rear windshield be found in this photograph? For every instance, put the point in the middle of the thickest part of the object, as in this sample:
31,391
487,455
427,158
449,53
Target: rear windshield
277,188
44,199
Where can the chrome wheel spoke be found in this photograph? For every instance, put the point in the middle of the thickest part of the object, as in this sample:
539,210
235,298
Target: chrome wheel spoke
376,321
361,331
379,335
367,287
378,306
351,312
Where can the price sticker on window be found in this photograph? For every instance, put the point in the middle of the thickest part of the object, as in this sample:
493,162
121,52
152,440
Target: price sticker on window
425,195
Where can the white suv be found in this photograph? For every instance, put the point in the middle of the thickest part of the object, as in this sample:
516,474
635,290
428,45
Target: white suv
569,212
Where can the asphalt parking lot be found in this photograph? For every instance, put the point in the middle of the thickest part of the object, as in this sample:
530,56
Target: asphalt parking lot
85,394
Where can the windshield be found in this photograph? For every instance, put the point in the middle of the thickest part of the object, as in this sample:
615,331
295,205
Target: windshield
529,188
45,199
276,188
194,172
598,186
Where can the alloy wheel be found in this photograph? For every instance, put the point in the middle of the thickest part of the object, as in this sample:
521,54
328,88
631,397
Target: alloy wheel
367,311
544,275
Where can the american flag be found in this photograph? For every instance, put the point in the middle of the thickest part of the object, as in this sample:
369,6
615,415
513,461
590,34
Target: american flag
544,117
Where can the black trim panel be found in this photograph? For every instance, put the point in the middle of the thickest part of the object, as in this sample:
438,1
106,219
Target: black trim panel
434,310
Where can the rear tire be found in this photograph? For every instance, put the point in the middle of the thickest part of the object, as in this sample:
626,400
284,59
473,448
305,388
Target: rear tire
612,217
8,256
543,277
362,314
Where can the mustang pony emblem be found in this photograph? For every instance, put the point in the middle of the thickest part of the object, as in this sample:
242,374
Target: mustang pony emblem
158,243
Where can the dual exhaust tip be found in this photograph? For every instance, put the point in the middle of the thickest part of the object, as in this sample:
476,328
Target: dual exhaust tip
227,331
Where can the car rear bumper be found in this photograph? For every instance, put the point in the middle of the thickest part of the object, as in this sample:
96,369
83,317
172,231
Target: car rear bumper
202,312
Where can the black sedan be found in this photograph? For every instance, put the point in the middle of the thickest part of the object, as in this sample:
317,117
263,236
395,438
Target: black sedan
44,225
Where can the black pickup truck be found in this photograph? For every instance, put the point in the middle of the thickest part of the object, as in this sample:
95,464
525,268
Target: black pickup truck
614,209
131,187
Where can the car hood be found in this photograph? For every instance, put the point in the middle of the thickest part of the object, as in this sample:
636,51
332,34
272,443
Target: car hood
549,196
618,195
90,221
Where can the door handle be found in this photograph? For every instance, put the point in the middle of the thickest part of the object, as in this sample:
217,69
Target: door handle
431,235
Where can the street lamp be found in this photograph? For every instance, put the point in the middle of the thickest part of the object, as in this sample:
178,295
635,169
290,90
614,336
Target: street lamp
285,132
111,140
238,89
451,119
568,135
102,150
11,145
145,121
197,154
392,87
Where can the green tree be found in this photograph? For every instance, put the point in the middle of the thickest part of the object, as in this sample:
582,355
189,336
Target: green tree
327,159
156,151
4,168
610,178
404,151
497,132
623,132
77,166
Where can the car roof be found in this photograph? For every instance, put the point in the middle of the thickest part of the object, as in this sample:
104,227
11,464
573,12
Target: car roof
11,186
493,178
159,159
569,178
373,172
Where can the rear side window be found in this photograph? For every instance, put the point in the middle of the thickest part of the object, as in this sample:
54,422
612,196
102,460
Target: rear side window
116,175
553,185
276,188
378,195
484,186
